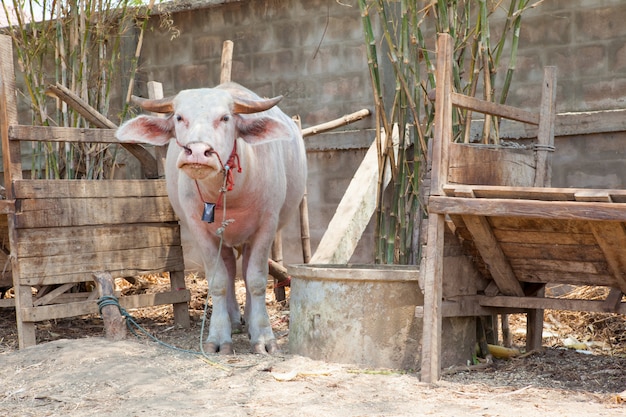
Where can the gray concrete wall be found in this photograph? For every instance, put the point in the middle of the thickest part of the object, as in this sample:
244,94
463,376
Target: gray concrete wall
311,51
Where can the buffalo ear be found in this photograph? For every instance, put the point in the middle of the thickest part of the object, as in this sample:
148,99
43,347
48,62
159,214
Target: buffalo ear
146,129
258,130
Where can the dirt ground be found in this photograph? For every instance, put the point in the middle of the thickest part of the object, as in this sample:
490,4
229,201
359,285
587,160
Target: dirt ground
74,371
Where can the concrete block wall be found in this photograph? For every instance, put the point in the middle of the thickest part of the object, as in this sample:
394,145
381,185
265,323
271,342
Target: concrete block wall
311,51
586,40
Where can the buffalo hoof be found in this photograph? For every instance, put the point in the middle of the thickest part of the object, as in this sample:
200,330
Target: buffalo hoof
263,349
223,349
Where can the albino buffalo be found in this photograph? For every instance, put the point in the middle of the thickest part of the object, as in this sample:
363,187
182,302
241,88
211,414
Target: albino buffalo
228,135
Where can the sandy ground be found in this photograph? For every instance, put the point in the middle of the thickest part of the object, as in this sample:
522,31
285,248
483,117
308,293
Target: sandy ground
68,374
88,377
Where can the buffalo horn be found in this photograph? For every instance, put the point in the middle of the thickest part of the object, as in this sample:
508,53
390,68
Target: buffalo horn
243,105
162,105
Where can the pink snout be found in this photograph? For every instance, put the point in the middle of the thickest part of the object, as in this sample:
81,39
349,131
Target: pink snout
198,160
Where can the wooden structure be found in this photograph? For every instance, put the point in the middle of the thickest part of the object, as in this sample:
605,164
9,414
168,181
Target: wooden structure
521,233
61,232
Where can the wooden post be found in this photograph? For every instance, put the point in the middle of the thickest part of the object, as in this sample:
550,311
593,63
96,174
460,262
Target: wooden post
277,256
177,278
13,171
433,265
155,90
114,322
305,236
543,178
227,62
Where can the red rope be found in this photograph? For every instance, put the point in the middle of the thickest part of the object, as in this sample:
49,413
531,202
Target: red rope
232,163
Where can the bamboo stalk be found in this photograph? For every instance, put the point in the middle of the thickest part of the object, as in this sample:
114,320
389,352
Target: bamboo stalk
399,27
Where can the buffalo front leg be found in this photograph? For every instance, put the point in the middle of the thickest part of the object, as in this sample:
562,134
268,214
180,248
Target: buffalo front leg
219,339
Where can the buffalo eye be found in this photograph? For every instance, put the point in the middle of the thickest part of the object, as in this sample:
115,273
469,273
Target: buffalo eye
225,118
179,118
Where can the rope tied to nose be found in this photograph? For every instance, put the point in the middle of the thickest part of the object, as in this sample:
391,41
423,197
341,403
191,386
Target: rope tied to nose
233,162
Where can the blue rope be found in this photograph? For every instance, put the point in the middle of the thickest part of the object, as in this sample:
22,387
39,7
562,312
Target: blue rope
110,300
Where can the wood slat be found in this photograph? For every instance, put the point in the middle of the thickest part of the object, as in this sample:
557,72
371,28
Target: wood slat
556,277
61,212
58,311
548,303
612,240
533,193
558,252
559,265
79,267
30,189
486,165
540,237
62,134
493,255
527,208
541,225
495,109
89,239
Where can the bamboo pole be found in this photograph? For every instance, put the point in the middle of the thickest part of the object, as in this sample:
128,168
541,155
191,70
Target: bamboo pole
333,124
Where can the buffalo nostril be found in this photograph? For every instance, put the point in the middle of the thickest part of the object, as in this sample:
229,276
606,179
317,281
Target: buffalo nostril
208,152
187,150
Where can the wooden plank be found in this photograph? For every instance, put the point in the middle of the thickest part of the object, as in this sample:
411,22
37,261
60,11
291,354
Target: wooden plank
495,109
611,238
353,213
574,266
546,226
596,306
181,309
80,267
60,212
535,193
11,152
433,294
466,306
582,123
486,165
62,134
613,300
541,237
11,157
558,277
58,311
567,210
89,239
557,252
49,297
492,254
7,302
433,262
89,188
594,195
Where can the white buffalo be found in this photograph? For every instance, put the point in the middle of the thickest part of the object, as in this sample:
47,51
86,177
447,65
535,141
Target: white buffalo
228,136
